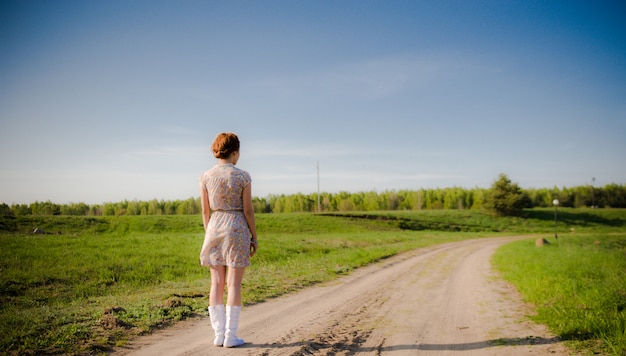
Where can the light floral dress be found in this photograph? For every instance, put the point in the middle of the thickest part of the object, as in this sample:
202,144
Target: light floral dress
227,237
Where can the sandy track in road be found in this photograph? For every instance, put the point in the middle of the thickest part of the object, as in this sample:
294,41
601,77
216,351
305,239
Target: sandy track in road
442,300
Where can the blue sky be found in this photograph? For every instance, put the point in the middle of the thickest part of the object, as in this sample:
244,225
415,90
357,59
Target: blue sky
109,100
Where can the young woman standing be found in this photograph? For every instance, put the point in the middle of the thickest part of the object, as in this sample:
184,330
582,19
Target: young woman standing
230,235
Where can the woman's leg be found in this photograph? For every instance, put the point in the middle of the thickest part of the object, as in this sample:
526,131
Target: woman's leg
233,307
234,280
217,311
218,281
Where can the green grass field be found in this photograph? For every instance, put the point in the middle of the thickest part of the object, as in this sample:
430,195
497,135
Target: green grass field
578,285
92,283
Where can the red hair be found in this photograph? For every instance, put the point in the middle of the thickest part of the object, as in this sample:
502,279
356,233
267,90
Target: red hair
225,144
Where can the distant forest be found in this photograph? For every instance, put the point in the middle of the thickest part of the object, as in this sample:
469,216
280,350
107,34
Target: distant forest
609,196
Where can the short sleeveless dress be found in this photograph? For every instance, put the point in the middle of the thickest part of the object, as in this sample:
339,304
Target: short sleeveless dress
227,237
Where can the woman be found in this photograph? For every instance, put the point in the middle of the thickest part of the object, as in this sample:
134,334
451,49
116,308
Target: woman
230,235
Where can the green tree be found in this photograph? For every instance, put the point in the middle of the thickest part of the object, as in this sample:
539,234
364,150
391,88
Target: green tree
5,210
327,202
450,199
478,198
261,205
45,208
614,195
434,199
370,201
108,209
505,198
74,209
154,207
418,203
21,209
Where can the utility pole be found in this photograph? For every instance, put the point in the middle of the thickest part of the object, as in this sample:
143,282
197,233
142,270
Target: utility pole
319,207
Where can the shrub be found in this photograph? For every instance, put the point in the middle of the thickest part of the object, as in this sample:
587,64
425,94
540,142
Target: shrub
505,198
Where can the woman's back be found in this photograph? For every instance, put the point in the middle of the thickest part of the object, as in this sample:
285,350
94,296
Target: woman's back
225,183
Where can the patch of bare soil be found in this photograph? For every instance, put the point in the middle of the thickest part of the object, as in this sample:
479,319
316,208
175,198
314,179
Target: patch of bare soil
443,300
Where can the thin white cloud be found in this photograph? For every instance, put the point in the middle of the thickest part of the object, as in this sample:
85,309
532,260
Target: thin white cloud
355,80
302,149
315,150
372,78
178,130
170,151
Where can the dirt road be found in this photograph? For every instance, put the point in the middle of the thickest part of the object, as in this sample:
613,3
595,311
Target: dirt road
443,300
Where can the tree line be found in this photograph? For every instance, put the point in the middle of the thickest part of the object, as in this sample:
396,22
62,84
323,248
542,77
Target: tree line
609,196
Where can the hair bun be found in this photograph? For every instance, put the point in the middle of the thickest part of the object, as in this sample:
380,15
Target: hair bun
225,144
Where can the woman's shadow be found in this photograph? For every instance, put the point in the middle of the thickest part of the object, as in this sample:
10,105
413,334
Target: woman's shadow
312,346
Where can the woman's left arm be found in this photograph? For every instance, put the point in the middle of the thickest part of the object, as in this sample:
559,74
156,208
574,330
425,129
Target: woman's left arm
248,211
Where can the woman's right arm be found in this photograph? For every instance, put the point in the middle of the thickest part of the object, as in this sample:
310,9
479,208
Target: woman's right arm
206,208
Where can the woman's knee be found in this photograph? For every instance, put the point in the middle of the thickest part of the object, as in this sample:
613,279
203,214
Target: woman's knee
218,274
235,276
219,284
